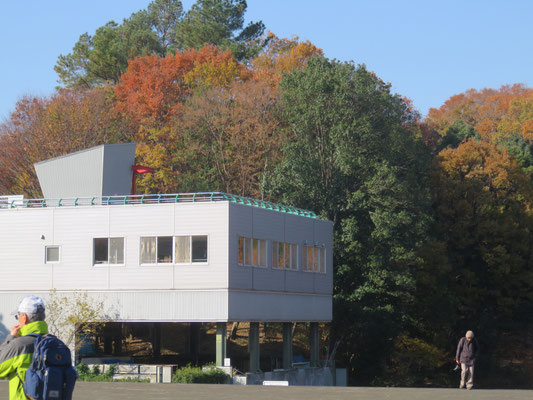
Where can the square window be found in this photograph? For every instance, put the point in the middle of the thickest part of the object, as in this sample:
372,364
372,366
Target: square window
52,254
199,248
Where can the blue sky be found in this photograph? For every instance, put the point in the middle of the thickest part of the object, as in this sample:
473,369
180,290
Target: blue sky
428,50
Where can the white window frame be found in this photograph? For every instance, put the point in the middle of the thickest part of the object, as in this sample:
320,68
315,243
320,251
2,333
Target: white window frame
275,244
156,251
244,263
191,262
109,252
319,249
46,254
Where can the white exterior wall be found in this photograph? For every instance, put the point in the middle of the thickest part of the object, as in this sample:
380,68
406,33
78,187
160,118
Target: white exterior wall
132,292
219,290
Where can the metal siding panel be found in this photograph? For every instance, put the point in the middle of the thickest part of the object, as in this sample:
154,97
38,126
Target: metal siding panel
117,162
22,260
324,234
74,230
75,175
204,219
170,305
240,224
299,230
268,225
265,307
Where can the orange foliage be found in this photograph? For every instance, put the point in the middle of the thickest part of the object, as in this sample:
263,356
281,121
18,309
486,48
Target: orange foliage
483,206
153,89
42,128
493,113
282,55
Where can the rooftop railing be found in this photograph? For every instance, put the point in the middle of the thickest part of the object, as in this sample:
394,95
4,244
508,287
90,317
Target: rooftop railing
199,197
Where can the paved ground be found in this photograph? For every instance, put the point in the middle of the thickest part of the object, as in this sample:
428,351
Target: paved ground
119,391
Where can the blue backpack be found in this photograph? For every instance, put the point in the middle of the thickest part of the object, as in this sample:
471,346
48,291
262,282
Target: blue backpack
51,374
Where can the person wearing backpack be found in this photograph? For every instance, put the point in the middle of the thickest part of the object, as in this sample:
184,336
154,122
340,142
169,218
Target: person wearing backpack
37,365
466,356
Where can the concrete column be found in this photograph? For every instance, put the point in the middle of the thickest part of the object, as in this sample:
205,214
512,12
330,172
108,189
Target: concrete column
314,343
221,343
287,345
194,341
253,346
156,339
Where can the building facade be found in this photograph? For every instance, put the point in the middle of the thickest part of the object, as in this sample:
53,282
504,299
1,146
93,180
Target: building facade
196,257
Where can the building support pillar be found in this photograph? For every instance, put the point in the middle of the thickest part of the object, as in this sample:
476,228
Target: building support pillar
253,347
221,343
314,344
194,341
287,345
156,339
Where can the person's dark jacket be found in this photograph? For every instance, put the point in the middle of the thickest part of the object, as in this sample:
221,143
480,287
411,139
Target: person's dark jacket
467,352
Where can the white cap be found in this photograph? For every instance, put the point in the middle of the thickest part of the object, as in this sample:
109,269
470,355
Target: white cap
30,305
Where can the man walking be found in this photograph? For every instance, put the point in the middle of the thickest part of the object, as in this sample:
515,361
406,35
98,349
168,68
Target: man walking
466,355
16,353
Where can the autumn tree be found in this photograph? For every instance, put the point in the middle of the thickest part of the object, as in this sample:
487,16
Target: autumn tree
231,137
154,89
281,56
491,112
42,128
482,203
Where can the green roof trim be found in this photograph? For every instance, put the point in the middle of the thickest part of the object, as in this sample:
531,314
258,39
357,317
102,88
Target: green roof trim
197,197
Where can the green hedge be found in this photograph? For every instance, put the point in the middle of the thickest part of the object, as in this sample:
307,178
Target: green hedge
196,375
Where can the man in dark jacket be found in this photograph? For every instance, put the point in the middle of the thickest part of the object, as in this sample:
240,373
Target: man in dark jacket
16,353
466,355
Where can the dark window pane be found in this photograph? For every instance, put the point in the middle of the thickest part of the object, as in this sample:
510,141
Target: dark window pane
199,249
100,251
164,249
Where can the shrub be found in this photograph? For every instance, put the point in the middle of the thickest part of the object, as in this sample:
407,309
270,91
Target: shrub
94,375
190,374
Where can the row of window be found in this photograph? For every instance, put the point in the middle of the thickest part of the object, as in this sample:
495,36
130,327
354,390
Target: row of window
252,252
193,249
154,250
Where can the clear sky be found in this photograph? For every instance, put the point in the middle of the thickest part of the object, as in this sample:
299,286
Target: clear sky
428,50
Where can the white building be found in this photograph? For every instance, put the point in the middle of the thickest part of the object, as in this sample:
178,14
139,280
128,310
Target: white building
197,257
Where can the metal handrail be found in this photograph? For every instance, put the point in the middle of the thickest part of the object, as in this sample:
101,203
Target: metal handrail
196,197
